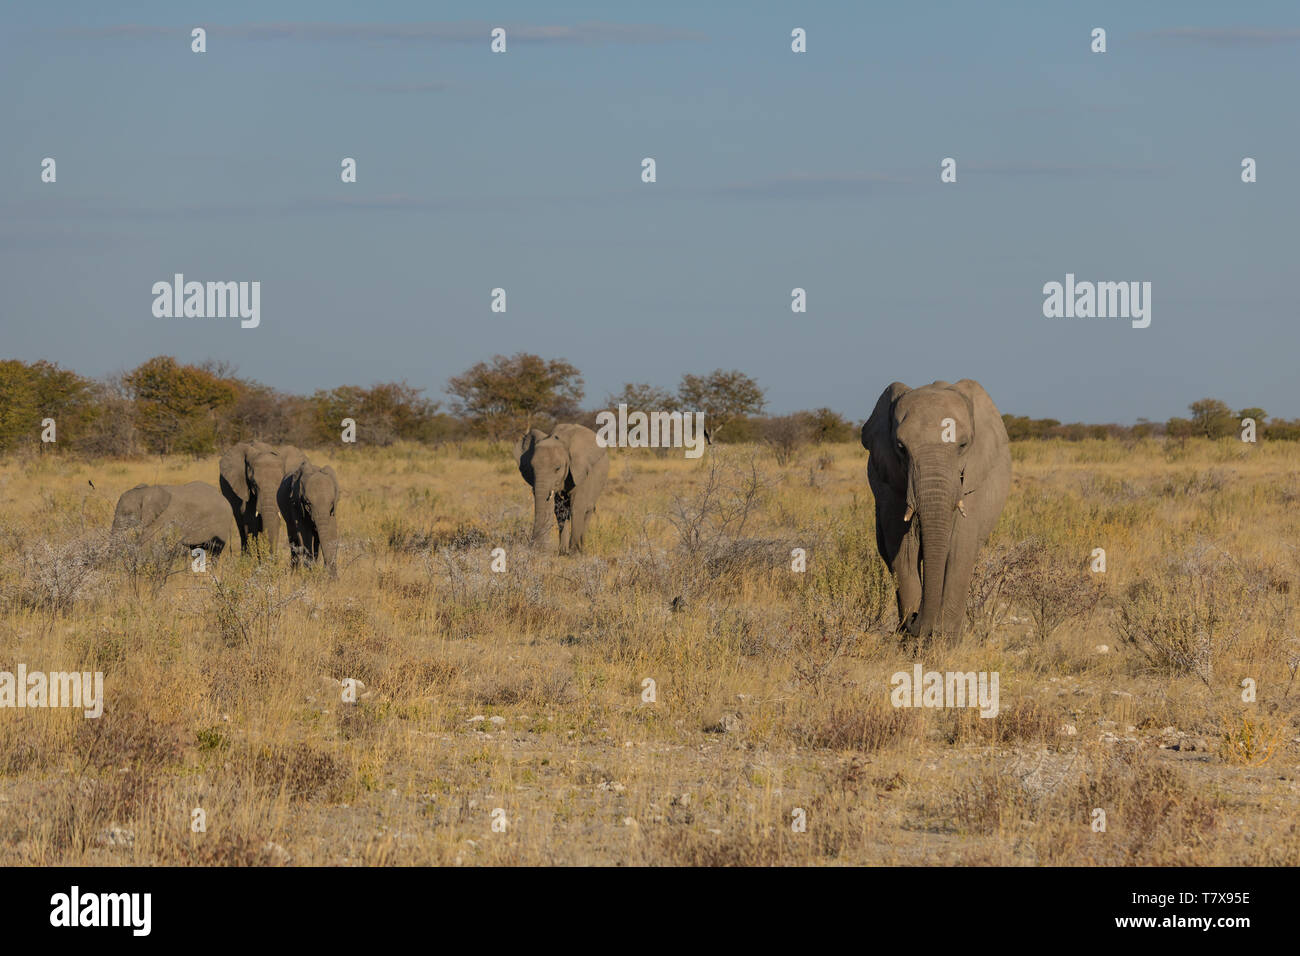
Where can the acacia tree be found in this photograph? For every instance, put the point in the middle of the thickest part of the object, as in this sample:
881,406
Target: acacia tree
1212,418
384,413
177,405
31,393
643,397
722,397
510,395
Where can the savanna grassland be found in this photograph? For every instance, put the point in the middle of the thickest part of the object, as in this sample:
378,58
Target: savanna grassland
523,689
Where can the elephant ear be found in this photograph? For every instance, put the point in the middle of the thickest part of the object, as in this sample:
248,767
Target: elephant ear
878,438
583,448
989,434
292,484
524,449
334,478
234,469
291,457
156,500
584,453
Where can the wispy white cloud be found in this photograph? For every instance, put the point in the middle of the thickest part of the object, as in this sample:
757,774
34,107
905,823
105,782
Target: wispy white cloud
591,32
430,87
1062,169
1228,36
812,186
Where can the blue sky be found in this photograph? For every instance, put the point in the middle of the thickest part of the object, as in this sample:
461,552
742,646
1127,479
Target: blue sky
775,170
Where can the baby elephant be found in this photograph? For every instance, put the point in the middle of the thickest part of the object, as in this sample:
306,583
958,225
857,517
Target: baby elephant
307,497
567,470
195,515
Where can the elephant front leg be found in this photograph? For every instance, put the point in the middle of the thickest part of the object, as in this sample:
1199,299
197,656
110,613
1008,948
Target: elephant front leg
580,522
241,525
956,584
583,507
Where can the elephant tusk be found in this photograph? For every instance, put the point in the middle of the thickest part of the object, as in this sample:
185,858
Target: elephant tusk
961,506
908,516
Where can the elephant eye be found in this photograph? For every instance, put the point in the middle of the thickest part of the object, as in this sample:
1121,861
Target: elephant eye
901,449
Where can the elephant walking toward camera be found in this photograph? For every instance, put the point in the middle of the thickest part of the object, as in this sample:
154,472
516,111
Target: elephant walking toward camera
251,473
307,498
567,470
940,470
192,516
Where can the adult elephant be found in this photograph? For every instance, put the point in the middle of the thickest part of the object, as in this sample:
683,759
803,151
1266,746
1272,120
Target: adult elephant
307,498
251,473
193,515
940,469
567,470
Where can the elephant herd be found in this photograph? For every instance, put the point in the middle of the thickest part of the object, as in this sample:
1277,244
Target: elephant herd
939,467
259,484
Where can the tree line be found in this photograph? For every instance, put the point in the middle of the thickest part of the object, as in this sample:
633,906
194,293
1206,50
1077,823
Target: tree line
167,407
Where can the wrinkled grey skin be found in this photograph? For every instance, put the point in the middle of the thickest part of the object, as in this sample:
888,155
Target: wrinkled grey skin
251,473
957,490
567,471
195,515
307,499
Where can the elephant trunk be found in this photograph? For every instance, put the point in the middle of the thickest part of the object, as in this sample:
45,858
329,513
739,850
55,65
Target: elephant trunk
327,530
935,489
270,516
542,514
267,476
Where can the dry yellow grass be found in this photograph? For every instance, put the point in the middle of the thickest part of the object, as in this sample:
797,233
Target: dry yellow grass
772,686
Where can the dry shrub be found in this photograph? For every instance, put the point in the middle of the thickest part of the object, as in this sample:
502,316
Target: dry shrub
401,537
785,435
989,604
715,514
247,607
1153,813
1252,741
1024,721
300,770
404,538
862,726
56,576
1053,584
546,688
1188,613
